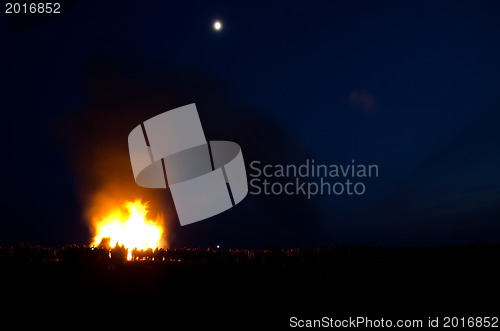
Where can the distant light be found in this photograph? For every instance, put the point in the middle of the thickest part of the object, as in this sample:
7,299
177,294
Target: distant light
218,246
217,25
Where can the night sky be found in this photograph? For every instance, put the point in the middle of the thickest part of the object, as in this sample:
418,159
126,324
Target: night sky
410,86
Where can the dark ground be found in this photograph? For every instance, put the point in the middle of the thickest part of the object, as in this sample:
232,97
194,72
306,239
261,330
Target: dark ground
377,283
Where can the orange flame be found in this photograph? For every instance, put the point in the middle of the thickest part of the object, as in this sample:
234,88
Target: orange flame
129,226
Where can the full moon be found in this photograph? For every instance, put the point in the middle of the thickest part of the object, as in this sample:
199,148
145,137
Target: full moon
217,25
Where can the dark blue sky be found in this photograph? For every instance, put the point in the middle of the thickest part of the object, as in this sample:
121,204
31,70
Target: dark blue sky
410,86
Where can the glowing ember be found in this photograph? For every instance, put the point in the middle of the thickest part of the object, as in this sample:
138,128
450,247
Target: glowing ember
129,226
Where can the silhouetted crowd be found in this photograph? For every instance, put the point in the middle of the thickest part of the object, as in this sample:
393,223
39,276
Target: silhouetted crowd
83,253
316,256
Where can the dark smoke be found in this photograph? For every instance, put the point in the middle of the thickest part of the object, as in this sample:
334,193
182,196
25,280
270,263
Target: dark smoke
120,96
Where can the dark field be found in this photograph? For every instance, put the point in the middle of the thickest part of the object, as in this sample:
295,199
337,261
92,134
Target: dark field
214,289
